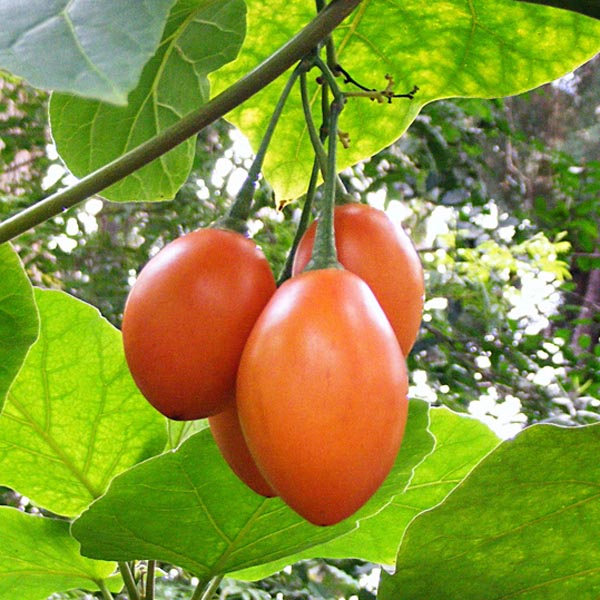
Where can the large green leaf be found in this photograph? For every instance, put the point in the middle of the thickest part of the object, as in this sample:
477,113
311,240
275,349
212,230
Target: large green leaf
200,36
93,49
38,557
187,508
18,317
480,48
73,418
460,443
525,524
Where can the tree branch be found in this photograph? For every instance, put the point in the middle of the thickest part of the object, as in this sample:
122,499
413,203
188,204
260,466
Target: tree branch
269,70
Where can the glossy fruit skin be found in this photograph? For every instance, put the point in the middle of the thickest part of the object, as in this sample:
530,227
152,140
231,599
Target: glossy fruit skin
227,433
188,316
322,394
379,251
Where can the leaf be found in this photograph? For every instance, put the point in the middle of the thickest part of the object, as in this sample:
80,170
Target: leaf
187,508
89,49
38,557
524,525
448,49
460,443
591,8
200,36
73,418
18,317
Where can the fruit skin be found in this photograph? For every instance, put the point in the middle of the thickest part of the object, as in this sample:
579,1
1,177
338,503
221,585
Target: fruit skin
321,394
379,251
227,433
188,316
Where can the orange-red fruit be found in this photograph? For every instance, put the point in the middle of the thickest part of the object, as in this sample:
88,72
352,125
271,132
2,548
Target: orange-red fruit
321,394
187,319
378,250
226,430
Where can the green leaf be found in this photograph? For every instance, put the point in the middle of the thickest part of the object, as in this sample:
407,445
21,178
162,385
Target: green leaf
38,557
18,317
96,50
187,508
525,524
460,443
448,49
591,8
200,36
73,418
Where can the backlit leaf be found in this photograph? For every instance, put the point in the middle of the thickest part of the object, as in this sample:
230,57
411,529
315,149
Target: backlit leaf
18,317
450,48
38,557
73,418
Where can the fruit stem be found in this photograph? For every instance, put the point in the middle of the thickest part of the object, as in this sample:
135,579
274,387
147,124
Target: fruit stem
324,254
239,212
286,272
315,138
246,87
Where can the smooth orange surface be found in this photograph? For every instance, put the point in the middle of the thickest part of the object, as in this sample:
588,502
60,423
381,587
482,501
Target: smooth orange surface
378,250
322,394
187,319
227,433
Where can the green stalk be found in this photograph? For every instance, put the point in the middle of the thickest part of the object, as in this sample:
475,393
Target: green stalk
240,210
206,592
286,272
129,581
315,140
324,254
150,576
274,66
106,595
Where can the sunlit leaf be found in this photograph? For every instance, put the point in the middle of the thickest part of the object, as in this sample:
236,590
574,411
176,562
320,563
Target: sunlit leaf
18,317
73,418
483,48
38,557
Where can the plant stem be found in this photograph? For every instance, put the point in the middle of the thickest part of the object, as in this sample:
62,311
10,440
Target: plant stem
240,210
150,575
286,272
105,591
206,592
274,66
316,142
316,139
129,581
324,254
